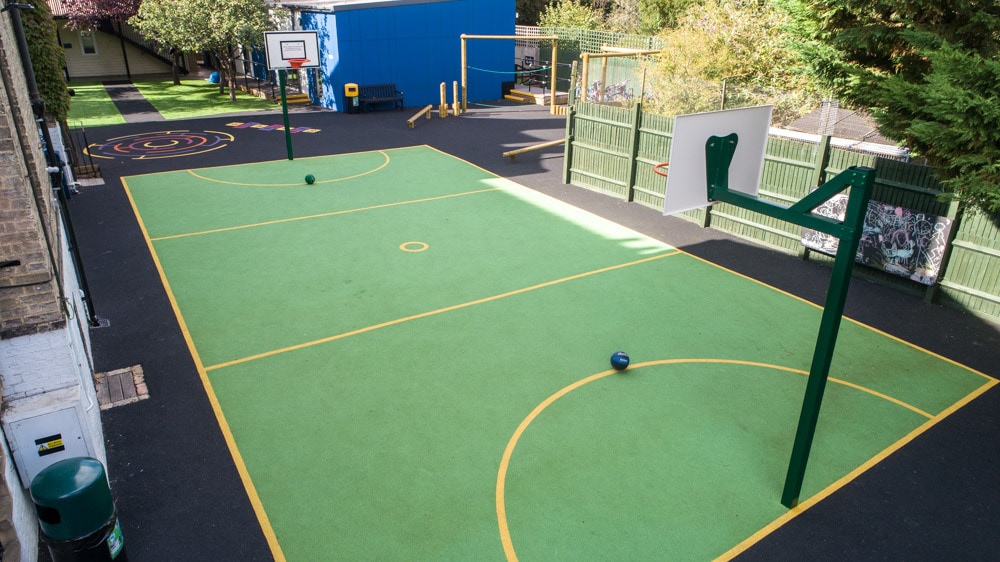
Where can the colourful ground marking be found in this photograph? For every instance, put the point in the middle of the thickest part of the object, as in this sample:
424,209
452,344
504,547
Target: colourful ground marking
392,381
273,127
161,144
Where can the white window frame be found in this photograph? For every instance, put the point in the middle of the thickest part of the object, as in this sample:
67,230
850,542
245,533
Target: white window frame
83,42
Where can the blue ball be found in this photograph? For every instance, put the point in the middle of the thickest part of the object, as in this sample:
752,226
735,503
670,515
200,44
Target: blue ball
619,360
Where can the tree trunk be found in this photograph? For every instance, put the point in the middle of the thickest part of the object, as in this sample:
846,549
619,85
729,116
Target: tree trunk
227,74
175,68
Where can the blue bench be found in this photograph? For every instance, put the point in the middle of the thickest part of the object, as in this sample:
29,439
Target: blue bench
376,94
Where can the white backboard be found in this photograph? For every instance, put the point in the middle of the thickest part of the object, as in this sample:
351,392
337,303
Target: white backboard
687,180
282,46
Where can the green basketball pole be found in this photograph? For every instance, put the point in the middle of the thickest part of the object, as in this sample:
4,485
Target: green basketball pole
718,156
284,112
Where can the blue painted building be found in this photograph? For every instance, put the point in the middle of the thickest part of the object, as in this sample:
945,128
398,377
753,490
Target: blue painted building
415,44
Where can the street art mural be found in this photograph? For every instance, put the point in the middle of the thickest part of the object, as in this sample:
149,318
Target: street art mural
897,240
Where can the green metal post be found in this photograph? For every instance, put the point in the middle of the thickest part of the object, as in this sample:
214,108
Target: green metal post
568,145
826,341
284,112
633,151
719,153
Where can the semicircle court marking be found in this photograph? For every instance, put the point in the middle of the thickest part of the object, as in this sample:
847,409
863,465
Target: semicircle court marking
384,163
413,247
160,144
505,539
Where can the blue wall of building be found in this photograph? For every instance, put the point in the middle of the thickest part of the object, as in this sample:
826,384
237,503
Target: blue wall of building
415,46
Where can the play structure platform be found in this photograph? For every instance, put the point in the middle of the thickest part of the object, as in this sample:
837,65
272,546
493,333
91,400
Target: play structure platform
535,95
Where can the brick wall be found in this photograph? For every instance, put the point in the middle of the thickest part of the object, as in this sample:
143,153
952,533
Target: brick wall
29,292
39,350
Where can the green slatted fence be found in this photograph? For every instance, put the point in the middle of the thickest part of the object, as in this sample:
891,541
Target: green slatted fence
613,150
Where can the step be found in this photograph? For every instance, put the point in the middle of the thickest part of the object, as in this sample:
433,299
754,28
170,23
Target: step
297,99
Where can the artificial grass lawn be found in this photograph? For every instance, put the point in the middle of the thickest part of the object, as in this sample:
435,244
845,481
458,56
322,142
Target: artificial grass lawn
196,98
92,107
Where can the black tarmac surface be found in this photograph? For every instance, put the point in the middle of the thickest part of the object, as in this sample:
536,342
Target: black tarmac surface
176,487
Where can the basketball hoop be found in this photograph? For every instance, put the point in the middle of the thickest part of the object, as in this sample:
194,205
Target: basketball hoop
657,169
297,63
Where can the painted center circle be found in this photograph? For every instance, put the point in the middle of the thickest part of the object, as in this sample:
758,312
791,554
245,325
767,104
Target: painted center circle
413,247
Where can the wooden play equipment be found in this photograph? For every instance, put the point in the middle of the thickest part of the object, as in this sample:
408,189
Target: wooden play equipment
465,63
513,153
426,111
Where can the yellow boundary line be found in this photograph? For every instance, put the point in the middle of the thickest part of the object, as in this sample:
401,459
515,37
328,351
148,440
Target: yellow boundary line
227,434
435,312
849,319
372,171
847,478
753,539
321,215
505,539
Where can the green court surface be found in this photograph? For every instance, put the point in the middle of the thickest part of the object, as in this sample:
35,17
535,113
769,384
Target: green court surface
409,359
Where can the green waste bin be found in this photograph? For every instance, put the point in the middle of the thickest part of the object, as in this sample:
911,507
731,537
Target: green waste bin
76,513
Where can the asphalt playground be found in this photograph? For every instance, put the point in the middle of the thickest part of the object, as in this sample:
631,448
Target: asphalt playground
179,493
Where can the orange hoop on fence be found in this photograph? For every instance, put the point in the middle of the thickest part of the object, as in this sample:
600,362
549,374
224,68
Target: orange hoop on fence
657,169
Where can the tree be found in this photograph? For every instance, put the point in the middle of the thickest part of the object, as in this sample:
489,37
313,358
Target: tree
88,14
928,71
743,43
221,27
528,11
47,58
570,14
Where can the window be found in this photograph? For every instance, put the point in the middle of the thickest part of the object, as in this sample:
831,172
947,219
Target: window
88,43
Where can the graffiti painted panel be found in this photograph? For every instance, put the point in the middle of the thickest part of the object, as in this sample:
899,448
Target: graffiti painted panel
895,239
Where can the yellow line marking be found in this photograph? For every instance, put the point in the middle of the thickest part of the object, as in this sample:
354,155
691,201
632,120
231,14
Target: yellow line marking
372,171
413,246
896,401
435,312
849,319
507,542
241,468
321,215
843,481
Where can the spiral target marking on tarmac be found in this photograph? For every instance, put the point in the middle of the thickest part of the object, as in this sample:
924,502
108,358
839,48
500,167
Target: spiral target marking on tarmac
160,144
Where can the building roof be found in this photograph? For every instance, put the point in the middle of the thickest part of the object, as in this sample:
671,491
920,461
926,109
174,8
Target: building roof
58,7
847,124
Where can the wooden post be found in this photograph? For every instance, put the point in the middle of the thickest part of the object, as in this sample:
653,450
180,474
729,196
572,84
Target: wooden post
465,78
456,107
443,108
604,79
553,88
512,153
584,83
571,94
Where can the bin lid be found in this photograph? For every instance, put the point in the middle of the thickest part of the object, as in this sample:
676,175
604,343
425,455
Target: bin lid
72,498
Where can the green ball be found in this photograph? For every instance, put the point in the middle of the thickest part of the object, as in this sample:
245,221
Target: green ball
310,179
